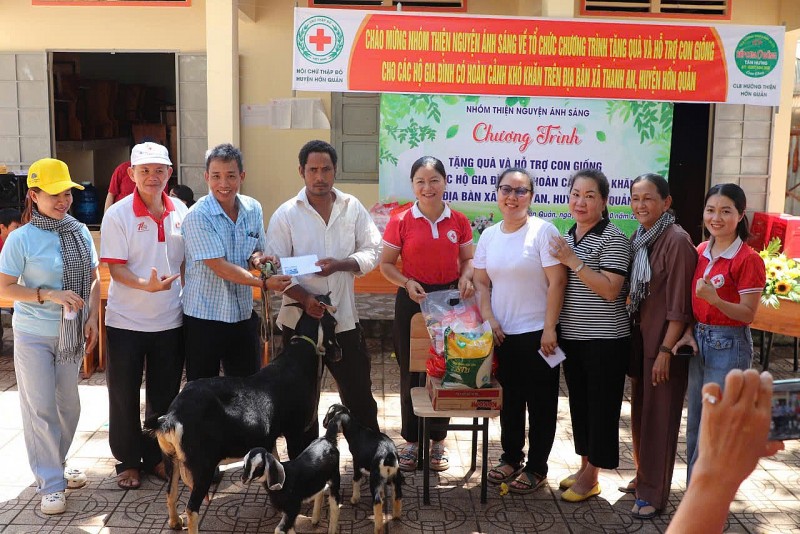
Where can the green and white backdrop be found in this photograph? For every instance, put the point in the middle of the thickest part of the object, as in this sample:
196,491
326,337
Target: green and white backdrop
476,137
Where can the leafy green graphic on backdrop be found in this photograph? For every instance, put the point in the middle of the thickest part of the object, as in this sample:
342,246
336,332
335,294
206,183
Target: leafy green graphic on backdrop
409,122
406,119
653,121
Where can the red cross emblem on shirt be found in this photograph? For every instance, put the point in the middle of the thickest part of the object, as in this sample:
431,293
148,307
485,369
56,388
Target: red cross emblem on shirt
320,40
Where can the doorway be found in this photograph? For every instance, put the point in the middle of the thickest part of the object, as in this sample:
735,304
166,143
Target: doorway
688,165
104,102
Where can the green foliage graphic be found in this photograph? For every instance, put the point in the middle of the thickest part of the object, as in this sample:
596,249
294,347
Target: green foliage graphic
653,123
406,120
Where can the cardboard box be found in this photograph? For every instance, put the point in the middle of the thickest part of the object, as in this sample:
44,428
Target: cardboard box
787,229
791,237
442,398
760,229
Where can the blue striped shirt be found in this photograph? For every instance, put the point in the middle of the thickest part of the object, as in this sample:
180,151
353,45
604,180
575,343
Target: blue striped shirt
209,233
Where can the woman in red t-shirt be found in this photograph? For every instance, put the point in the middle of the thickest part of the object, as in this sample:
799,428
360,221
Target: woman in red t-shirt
436,245
728,282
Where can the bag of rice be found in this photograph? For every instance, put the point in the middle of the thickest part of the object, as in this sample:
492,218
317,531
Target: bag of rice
468,358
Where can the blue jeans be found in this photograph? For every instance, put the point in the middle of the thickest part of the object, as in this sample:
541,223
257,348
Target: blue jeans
50,405
722,348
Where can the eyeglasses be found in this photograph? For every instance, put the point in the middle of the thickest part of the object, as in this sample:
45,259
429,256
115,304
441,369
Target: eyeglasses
518,191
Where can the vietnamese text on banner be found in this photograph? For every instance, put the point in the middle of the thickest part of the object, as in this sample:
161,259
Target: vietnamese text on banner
349,50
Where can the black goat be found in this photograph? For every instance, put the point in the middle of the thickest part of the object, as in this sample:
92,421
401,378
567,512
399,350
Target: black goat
375,453
291,483
220,418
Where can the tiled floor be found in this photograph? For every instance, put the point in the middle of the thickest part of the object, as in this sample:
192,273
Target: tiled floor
768,502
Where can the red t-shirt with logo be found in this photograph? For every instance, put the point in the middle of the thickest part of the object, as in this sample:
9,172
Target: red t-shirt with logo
430,251
737,271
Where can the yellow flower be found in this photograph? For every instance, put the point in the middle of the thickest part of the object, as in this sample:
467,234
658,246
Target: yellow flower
783,287
783,276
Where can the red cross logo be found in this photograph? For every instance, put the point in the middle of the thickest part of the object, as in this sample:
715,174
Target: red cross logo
320,40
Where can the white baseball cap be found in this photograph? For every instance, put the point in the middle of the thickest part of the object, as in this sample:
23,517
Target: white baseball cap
150,153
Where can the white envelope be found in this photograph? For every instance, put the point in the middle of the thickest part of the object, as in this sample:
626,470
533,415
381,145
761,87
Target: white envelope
299,265
554,359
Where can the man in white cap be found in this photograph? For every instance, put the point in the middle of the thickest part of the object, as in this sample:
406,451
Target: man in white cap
142,244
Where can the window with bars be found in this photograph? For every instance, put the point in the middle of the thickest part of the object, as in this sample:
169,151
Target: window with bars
705,9
407,5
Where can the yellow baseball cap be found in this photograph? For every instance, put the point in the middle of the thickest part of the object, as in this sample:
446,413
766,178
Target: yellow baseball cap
51,176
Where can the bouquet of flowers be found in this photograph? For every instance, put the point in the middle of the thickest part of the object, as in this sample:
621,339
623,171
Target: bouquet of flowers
783,276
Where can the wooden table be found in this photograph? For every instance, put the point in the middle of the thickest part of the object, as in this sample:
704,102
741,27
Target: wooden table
784,320
423,409
96,359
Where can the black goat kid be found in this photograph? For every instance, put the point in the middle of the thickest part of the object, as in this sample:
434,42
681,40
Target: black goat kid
219,418
375,453
291,483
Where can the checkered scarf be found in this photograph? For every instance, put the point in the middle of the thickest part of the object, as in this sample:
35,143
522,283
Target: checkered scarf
641,272
76,276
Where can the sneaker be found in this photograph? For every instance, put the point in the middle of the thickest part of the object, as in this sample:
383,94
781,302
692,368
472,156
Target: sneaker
75,478
54,503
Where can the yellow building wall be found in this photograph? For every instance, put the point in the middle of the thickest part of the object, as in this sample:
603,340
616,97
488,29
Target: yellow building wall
26,27
265,53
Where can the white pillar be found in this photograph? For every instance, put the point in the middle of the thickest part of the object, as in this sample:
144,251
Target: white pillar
222,53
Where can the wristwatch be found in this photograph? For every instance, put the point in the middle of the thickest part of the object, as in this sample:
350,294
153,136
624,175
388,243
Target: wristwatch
665,349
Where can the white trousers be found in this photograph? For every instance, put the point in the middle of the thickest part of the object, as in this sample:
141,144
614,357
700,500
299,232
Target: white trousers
50,405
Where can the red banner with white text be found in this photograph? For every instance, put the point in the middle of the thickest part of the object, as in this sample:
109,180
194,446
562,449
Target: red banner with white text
344,50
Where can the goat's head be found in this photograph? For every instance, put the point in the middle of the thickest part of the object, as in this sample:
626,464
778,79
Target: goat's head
262,466
335,413
322,330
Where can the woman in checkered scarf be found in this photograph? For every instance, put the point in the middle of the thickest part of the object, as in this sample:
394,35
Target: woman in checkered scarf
48,267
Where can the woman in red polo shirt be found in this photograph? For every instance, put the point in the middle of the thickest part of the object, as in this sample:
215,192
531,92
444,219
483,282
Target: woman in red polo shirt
436,245
728,282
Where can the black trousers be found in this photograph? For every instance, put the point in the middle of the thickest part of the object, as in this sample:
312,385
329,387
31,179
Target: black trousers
404,310
352,376
528,382
160,356
237,346
595,374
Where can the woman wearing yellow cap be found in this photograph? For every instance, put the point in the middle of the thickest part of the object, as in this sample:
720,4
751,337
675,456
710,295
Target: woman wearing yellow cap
49,268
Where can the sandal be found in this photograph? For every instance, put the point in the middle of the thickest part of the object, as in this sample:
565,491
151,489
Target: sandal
527,483
498,475
643,510
408,456
629,488
129,479
439,459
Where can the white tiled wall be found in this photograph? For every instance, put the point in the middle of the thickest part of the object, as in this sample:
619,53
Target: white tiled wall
24,109
741,150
